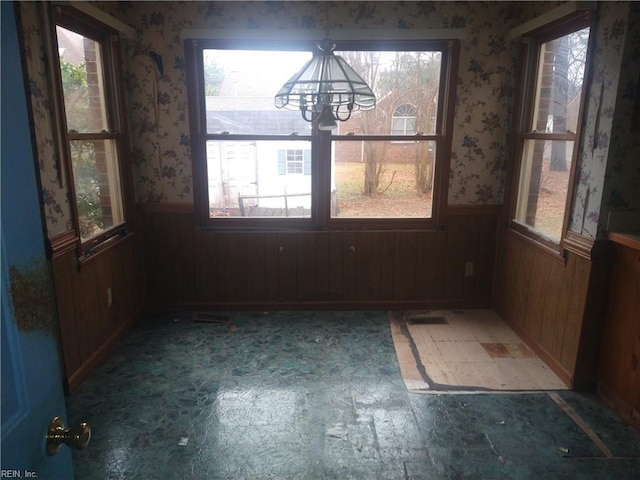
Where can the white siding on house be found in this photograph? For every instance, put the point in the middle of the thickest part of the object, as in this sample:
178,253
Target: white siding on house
251,169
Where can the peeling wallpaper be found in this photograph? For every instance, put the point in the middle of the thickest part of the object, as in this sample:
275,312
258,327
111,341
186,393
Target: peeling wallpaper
599,111
158,111
621,190
57,210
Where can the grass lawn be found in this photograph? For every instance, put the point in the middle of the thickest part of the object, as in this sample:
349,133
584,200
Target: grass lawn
400,199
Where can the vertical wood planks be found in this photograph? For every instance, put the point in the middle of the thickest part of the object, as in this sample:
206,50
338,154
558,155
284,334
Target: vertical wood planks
287,267
486,257
322,268
472,255
369,265
553,307
534,317
186,264
232,266
337,259
575,312
544,297
257,276
404,266
87,322
206,266
186,255
430,264
349,248
307,267
271,269
63,268
170,250
387,246
558,322
455,249
619,368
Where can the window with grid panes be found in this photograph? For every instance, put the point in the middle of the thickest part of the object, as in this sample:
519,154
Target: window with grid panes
94,140
380,168
555,67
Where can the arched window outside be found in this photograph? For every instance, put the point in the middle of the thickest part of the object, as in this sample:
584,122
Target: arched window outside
404,120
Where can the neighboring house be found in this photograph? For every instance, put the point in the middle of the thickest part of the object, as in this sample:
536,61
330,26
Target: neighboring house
265,172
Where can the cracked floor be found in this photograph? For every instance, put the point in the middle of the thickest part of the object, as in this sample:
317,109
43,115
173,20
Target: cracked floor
319,395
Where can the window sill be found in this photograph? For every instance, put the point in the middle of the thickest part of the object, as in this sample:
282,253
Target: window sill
551,252
103,247
63,243
578,244
405,224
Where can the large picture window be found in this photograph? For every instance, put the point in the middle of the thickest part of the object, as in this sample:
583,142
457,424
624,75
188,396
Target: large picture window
553,87
257,165
93,128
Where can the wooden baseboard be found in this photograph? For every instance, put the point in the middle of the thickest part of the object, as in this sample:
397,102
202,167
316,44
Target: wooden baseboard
546,357
71,382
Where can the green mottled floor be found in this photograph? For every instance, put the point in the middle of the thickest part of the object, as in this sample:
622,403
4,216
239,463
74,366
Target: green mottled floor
318,395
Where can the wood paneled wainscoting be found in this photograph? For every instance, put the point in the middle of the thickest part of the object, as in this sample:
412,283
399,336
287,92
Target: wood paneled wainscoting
98,299
556,304
619,372
192,267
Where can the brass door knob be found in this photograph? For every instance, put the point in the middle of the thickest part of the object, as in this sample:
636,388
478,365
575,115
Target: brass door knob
76,438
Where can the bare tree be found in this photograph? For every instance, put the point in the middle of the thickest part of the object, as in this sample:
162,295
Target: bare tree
570,54
406,78
560,102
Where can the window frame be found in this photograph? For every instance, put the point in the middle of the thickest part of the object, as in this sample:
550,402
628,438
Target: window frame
321,141
523,131
69,18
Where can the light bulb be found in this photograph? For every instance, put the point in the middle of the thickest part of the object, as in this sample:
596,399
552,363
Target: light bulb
327,120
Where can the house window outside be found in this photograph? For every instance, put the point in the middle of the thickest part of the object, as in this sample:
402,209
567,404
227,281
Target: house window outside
255,154
293,174
295,161
404,120
93,132
554,82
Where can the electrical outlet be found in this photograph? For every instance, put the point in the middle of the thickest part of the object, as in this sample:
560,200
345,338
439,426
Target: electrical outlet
109,297
468,269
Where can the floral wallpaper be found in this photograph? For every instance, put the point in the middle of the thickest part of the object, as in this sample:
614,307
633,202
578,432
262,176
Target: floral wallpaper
600,107
621,189
57,209
161,133
158,108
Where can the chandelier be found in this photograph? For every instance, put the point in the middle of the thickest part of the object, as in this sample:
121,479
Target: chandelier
326,89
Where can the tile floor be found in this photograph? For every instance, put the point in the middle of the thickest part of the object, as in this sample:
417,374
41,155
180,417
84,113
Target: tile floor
319,395
472,350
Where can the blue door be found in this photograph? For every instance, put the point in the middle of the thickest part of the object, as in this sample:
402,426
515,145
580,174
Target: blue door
32,392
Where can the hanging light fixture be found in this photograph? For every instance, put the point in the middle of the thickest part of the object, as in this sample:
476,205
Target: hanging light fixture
326,89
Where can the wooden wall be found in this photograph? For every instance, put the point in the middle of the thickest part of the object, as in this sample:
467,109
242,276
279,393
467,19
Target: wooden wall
556,304
619,372
189,266
89,326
